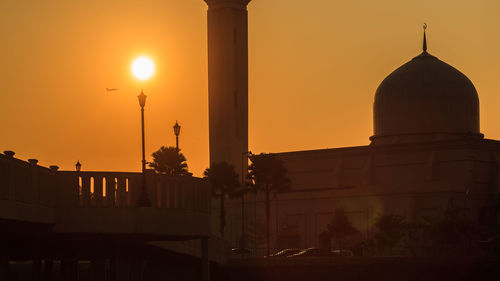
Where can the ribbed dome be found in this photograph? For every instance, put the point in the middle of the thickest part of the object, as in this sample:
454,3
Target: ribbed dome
425,96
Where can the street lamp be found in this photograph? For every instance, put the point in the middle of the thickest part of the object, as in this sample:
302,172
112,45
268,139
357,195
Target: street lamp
177,131
78,166
143,68
143,200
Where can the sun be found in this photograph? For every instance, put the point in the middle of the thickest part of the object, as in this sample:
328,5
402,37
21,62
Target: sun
143,68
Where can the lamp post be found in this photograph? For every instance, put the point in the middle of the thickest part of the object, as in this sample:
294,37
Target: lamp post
177,131
143,199
78,167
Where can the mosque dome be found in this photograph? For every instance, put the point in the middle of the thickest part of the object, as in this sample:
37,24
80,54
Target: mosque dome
425,99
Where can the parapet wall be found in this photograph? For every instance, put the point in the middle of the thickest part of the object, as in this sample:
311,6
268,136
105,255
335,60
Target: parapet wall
104,202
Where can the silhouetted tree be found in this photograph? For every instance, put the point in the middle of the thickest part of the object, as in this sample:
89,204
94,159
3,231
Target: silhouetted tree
391,228
340,227
224,180
288,237
167,160
268,174
452,232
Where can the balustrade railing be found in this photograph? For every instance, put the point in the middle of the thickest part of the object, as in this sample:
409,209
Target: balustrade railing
123,189
27,182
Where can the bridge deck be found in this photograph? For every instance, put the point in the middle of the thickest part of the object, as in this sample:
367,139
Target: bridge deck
104,202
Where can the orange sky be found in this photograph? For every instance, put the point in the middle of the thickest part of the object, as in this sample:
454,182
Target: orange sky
314,67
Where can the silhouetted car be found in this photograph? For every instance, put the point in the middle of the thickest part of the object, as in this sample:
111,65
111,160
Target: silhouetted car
284,253
310,252
241,251
316,252
342,253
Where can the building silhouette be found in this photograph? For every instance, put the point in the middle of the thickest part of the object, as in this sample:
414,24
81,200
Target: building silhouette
427,154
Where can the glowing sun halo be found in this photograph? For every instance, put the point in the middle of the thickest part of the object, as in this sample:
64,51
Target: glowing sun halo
143,68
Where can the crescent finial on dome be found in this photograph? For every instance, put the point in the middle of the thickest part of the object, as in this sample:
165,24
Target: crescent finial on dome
425,40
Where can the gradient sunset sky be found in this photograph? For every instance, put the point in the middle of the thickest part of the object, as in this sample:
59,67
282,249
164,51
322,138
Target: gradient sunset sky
314,66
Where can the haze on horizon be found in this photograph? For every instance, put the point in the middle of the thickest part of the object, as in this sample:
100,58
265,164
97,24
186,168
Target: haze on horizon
314,67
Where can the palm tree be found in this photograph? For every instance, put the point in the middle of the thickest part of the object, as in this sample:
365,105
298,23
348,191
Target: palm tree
169,160
223,180
268,173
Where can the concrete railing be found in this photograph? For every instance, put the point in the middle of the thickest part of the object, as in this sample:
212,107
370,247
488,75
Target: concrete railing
104,202
26,182
123,190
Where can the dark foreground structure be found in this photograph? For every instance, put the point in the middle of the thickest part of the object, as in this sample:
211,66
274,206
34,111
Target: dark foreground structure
61,225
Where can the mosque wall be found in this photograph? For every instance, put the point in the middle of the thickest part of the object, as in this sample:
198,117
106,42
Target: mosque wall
414,181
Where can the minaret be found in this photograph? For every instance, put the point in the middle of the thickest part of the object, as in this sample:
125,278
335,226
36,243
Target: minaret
228,81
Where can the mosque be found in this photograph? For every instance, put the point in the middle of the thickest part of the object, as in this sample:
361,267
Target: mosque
426,152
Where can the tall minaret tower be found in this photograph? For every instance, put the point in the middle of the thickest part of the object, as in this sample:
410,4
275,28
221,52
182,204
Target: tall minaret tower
228,81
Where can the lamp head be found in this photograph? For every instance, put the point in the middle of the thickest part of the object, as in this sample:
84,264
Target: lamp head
78,166
177,129
142,99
